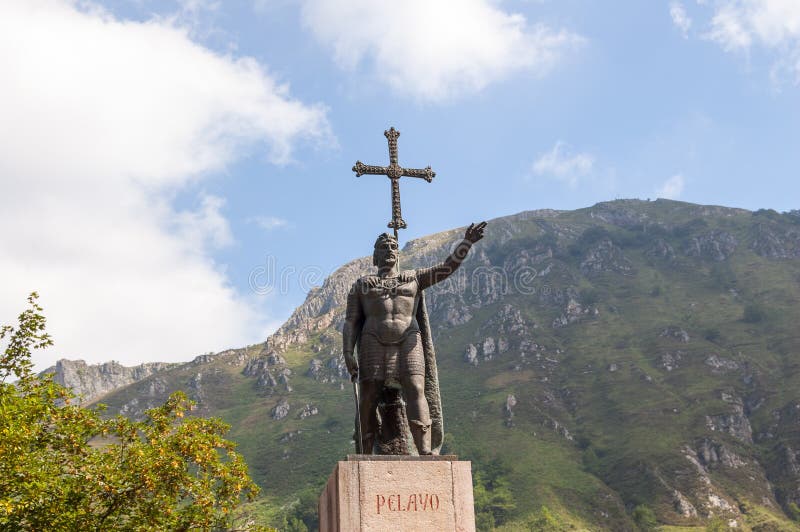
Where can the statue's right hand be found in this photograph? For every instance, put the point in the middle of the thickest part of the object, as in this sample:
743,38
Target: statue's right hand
352,366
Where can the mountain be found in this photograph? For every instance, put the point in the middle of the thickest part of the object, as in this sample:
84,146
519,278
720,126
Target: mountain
614,363
92,382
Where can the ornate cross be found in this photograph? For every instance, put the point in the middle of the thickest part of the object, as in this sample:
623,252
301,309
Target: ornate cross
394,172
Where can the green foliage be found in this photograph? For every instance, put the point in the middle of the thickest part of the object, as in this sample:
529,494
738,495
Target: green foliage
484,521
590,236
591,462
301,514
547,240
712,334
644,517
770,214
722,276
15,361
545,521
692,226
793,511
754,313
63,467
634,237
655,291
717,524
589,297
494,501
449,444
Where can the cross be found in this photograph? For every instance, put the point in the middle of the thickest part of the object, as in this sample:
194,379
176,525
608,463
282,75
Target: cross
394,172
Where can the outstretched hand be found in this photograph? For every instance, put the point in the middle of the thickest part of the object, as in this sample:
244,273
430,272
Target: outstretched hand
474,232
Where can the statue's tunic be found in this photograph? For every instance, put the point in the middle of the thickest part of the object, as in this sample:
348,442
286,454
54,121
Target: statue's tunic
382,362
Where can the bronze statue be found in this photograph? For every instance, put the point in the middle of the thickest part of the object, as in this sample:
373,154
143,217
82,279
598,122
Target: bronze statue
387,322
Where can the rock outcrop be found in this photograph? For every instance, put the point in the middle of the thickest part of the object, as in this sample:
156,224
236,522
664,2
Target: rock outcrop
307,411
622,213
671,359
675,333
281,410
661,249
721,364
716,245
774,242
605,256
734,423
91,382
713,454
269,370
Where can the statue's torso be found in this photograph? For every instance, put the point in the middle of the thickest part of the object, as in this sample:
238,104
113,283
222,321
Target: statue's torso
390,312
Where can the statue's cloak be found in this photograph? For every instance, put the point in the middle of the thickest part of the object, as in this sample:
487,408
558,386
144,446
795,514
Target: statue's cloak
431,377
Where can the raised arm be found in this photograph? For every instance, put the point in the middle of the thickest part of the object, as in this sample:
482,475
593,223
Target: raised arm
436,274
353,321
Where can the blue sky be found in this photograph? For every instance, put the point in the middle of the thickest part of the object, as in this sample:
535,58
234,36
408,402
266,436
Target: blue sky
159,157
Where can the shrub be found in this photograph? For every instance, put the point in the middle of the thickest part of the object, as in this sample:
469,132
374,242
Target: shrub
644,517
754,313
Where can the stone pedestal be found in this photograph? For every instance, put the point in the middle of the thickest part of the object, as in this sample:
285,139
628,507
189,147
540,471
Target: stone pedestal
398,494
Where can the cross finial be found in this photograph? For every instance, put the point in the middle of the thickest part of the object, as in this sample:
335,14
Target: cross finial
394,172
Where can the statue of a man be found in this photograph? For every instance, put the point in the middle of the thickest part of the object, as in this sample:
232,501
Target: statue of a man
383,322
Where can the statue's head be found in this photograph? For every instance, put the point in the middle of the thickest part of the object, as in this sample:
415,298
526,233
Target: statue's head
386,252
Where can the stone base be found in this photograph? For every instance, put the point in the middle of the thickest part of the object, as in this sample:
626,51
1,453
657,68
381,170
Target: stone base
398,494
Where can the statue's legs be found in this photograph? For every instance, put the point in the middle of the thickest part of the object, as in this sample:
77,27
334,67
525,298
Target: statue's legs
370,391
419,417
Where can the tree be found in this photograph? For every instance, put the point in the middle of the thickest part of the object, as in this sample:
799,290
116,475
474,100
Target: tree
754,313
644,517
494,501
64,467
301,515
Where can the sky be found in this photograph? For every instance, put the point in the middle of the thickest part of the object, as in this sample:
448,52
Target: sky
175,175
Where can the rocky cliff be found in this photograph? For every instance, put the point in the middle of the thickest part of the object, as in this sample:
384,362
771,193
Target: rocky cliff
91,382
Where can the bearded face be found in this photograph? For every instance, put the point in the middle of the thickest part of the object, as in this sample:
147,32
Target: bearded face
386,251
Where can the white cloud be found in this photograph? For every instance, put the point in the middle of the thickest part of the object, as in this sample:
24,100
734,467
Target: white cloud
564,165
680,18
672,188
103,121
728,30
206,226
434,49
269,223
739,25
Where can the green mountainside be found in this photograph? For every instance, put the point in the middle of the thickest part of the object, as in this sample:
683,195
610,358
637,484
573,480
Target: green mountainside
601,368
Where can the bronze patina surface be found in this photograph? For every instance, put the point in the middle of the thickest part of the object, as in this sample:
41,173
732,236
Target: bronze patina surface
387,340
